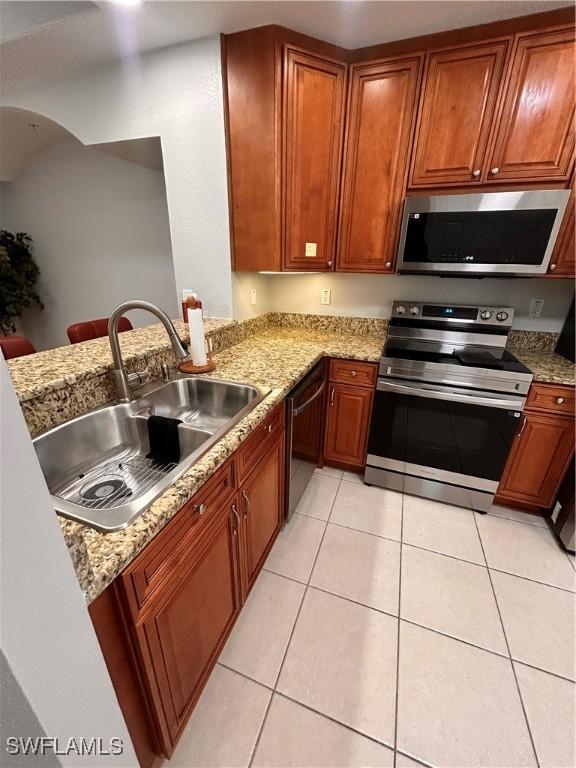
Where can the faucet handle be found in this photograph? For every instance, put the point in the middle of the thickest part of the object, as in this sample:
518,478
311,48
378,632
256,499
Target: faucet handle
139,377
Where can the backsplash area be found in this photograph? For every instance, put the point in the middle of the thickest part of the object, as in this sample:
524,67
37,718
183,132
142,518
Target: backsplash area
371,296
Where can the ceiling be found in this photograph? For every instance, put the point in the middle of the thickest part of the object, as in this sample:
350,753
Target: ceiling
47,43
24,135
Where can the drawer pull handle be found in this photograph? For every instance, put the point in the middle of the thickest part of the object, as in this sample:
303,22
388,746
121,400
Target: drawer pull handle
269,428
332,393
200,508
237,516
559,400
246,504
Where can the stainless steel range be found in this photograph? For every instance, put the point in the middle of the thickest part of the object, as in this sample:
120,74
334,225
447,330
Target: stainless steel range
448,403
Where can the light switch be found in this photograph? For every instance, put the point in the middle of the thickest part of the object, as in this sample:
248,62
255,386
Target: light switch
310,250
325,296
253,296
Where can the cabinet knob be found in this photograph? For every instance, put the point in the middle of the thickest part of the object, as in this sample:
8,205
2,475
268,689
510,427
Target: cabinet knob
269,428
494,171
476,173
552,267
200,508
388,264
559,400
332,393
329,263
352,373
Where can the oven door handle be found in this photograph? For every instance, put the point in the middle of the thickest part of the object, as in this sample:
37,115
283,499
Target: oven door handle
315,396
514,404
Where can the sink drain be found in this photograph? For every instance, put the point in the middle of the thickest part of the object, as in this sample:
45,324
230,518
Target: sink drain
104,487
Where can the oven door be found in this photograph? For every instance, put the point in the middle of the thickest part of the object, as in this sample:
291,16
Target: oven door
447,434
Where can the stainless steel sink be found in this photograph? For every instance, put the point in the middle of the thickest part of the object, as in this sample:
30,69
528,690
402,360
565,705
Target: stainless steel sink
96,465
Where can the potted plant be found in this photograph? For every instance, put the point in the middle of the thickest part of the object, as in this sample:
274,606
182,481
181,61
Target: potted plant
18,275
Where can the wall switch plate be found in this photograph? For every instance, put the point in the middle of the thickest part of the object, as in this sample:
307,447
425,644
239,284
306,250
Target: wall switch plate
310,250
252,296
325,296
536,307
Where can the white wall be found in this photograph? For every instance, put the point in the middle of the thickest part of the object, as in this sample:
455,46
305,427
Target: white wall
372,295
174,93
45,630
101,236
242,283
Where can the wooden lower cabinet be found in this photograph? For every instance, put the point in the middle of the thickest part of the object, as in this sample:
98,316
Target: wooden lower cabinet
539,459
261,502
181,635
347,425
165,619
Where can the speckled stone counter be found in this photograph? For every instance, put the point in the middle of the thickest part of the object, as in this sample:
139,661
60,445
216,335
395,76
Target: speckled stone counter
273,356
547,367
273,350
536,351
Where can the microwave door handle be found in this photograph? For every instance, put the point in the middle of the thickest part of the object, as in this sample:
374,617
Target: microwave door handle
315,396
514,404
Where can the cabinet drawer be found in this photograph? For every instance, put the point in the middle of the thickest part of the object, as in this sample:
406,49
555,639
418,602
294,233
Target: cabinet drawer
259,442
162,556
551,397
352,372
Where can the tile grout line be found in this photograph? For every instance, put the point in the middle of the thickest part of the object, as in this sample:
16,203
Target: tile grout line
261,729
454,557
335,721
507,646
398,634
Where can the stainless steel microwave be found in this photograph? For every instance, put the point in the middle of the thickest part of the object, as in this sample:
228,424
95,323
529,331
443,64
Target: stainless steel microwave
497,233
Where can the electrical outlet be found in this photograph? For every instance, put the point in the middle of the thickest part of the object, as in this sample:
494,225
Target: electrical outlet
325,296
252,296
536,307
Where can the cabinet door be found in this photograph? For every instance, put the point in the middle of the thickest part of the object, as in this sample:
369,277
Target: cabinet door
262,500
313,126
535,138
456,112
380,123
347,424
563,261
539,457
185,628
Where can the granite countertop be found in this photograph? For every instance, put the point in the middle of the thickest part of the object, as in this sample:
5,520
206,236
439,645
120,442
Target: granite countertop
273,351
547,367
276,359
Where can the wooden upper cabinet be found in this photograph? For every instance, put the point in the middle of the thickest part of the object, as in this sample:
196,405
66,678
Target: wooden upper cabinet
313,117
381,109
535,136
252,67
456,113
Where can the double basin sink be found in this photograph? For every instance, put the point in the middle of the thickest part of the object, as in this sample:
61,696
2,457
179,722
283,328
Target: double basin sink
96,466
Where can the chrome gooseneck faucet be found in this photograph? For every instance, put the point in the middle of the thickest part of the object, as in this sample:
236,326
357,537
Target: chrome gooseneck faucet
122,380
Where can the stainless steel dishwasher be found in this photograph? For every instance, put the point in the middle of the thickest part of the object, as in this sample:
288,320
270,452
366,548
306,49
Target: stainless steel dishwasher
305,408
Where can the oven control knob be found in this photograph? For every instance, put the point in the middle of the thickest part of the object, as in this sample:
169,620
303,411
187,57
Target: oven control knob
485,314
414,310
502,316
400,310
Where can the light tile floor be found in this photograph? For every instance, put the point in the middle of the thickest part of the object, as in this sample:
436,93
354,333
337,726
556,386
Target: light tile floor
392,631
